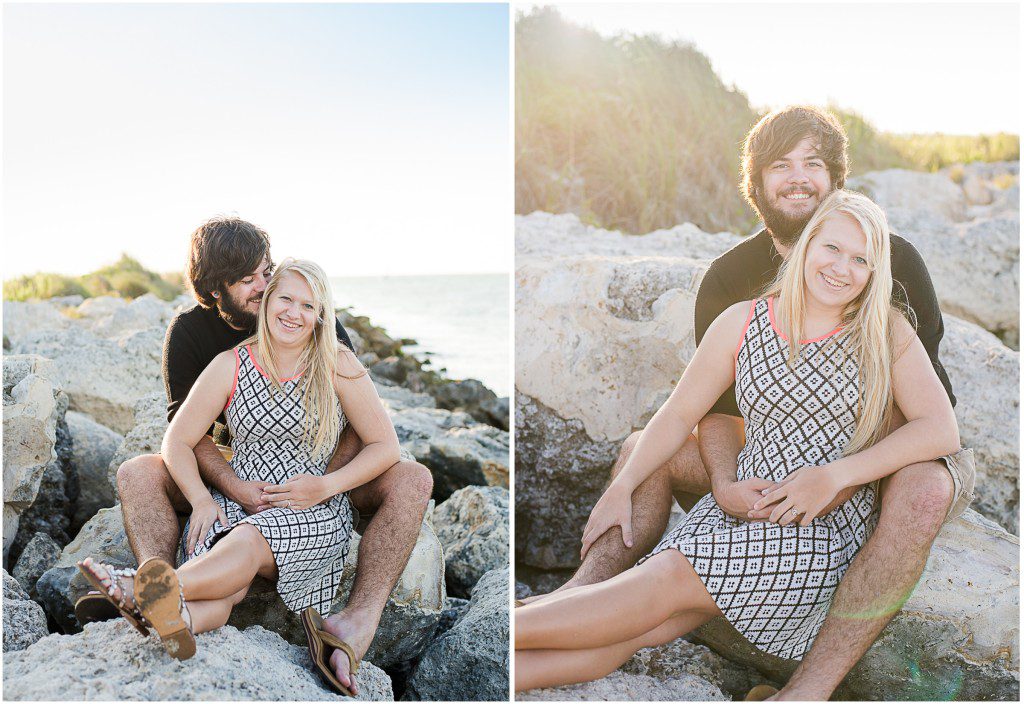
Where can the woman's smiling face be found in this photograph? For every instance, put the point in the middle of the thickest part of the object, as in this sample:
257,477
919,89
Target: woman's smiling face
292,310
836,268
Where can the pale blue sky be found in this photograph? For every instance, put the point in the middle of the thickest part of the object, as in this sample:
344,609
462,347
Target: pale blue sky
907,67
371,138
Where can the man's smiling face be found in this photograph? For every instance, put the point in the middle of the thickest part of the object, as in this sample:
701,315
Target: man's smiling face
792,188
239,302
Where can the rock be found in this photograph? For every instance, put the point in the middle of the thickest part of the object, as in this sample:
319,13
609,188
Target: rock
975,190
101,538
61,302
472,526
24,621
470,662
39,555
560,474
145,436
391,368
990,245
544,235
681,658
409,618
455,608
104,378
628,687
496,411
473,397
458,451
99,307
899,188
957,636
111,661
31,413
93,446
24,317
140,314
985,376
53,508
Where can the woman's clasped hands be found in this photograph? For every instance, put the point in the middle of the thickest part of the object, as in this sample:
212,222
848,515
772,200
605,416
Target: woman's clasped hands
802,496
299,492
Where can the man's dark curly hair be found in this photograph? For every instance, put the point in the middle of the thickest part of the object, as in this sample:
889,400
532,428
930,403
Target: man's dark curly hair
778,132
223,250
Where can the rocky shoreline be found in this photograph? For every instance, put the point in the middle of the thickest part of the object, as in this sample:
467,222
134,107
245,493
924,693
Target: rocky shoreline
623,305
83,393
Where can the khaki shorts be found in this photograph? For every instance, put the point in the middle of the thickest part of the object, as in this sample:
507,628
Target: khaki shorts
961,469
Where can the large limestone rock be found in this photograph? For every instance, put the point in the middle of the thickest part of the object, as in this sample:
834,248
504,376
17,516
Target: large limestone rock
109,661
409,617
40,554
470,662
458,450
974,265
24,317
985,375
145,436
957,636
93,446
31,413
472,526
899,188
104,378
24,620
124,318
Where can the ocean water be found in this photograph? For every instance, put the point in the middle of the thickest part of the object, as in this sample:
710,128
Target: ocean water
460,321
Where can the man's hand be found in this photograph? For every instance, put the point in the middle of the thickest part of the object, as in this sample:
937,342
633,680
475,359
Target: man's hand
614,508
249,495
299,493
738,498
204,514
805,493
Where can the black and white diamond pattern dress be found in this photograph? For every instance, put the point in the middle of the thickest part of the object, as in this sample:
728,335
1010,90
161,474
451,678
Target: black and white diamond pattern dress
266,428
775,583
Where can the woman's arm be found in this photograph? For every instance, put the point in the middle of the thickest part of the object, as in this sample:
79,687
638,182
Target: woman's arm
707,376
204,403
930,432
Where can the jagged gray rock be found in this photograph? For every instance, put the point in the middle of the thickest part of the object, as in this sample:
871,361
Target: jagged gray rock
32,409
472,526
111,660
627,687
145,436
93,446
40,554
470,662
24,620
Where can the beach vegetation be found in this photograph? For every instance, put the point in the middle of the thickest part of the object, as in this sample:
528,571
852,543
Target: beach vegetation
126,278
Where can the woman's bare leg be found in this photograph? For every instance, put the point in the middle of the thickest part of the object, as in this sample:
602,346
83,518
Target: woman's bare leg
213,613
552,668
620,609
229,567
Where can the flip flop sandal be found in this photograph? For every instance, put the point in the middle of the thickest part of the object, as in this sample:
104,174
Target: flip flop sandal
94,607
131,614
160,599
760,693
321,642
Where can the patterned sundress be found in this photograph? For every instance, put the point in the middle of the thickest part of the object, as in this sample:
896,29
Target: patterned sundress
775,583
309,546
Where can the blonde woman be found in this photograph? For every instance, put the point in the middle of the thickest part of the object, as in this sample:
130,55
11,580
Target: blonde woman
818,364
286,393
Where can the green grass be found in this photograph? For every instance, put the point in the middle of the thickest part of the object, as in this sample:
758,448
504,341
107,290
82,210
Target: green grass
126,278
634,133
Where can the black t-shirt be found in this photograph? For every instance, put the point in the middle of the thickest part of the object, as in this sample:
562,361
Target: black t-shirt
194,338
744,272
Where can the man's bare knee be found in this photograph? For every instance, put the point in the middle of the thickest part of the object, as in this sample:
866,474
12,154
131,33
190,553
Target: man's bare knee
919,496
145,477
415,481
628,445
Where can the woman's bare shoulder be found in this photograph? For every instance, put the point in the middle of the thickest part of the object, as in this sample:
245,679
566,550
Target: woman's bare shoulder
349,366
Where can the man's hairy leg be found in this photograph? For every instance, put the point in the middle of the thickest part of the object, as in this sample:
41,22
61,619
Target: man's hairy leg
881,578
652,502
149,503
398,498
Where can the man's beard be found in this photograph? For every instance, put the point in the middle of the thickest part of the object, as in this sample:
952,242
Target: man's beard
235,315
784,228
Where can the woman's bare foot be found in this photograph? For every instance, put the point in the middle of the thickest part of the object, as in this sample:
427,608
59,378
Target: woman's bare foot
117,583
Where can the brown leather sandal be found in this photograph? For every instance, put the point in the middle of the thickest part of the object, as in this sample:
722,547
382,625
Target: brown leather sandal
161,601
321,642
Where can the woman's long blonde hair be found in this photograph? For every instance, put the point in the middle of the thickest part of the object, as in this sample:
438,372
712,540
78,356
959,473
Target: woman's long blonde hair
319,359
869,319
